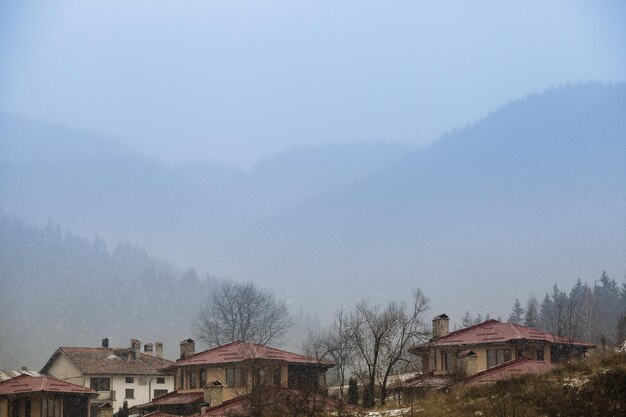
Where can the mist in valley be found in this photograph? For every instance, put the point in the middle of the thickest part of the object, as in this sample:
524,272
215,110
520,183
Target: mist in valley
149,158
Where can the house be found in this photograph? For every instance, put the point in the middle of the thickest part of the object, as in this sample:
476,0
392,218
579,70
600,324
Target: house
491,350
116,374
41,396
217,377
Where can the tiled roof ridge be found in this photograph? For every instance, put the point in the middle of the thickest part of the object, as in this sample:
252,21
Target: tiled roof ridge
259,352
468,328
114,350
506,365
44,383
516,327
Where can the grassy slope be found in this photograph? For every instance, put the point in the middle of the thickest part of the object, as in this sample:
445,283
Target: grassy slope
592,387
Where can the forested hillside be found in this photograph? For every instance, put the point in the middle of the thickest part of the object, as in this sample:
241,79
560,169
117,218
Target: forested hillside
59,289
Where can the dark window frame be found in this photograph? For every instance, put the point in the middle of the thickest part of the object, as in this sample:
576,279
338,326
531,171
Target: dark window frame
100,384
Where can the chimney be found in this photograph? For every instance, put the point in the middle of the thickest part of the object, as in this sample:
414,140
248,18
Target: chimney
25,368
214,394
467,363
105,410
187,348
148,348
159,350
441,326
105,342
135,349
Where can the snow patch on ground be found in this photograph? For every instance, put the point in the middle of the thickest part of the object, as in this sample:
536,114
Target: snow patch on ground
387,413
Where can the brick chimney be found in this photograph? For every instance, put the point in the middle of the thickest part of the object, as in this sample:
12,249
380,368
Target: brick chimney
213,394
441,326
467,363
159,350
187,348
105,342
148,349
135,349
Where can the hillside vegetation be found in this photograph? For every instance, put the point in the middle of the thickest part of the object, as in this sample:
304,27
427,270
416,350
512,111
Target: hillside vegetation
589,387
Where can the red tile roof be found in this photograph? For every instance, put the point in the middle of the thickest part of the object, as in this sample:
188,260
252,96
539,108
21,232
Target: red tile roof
176,398
426,381
28,383
511,369
493,331
109,361
160,414
236,406
242,351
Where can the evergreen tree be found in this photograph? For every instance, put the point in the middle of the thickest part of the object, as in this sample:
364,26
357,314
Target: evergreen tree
353,391
368,397
517,313
467,320
546,310
531,319
606,313
123,410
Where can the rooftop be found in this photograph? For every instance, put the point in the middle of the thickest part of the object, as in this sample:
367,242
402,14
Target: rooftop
175,398
242,351
4,375
27,383
511,369
110,361
493,331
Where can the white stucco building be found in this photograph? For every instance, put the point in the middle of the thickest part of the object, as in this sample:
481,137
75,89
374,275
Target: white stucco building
117,374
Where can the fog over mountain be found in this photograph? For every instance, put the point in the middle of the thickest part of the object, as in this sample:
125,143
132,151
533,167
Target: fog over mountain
531,195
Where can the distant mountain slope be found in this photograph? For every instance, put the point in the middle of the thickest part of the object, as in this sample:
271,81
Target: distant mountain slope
93,184
534,193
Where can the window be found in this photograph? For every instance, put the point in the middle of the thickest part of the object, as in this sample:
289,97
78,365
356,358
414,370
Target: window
49,407
447,361
497,356
100,384
160,380
181,379
159,392
276,376
540,354
130,379
236,377
202,378
130,393
192,379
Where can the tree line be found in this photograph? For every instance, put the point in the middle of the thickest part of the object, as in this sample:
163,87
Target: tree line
591,313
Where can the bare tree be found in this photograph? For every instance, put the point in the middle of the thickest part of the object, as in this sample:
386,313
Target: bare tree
382,336
241,312
340,346
410,328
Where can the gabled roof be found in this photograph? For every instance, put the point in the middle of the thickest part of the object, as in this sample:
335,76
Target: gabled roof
511,369
241,351
175,398
493,331
109,361
30,384
4,375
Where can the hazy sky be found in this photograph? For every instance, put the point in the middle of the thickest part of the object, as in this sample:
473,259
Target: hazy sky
233,80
